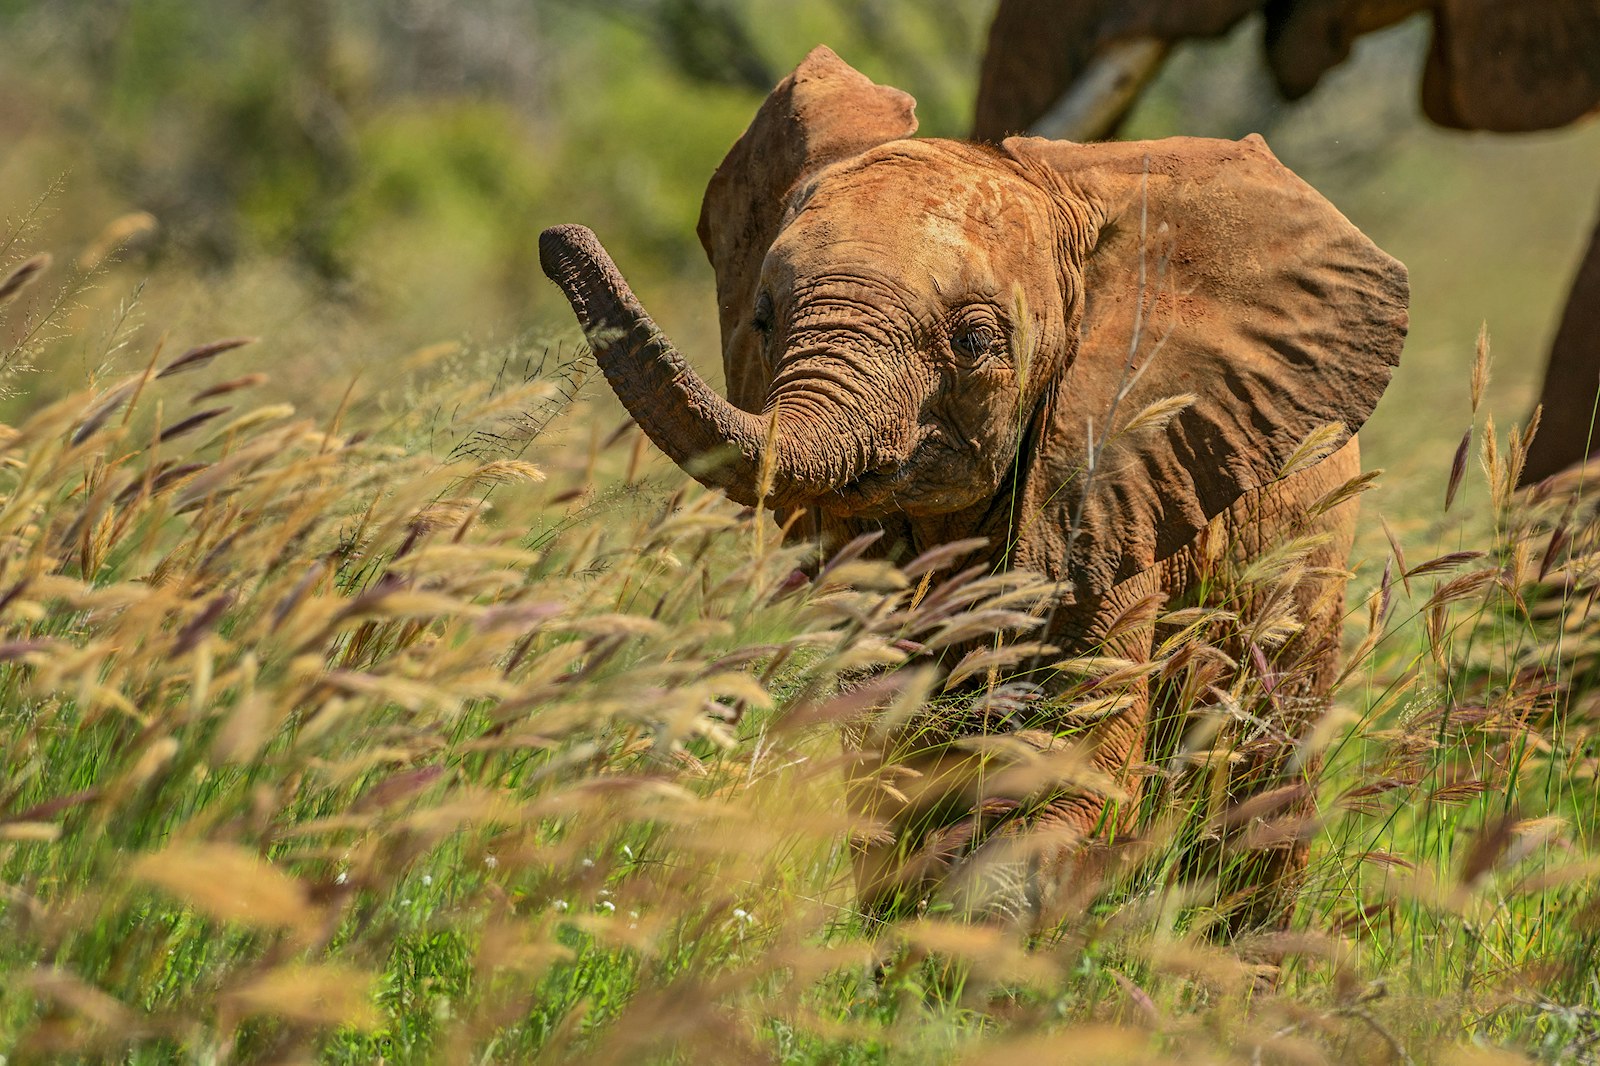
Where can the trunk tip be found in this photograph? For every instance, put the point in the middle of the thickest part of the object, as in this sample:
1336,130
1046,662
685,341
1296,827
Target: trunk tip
570,233
561,245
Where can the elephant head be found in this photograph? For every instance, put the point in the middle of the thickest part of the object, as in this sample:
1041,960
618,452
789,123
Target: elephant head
945,336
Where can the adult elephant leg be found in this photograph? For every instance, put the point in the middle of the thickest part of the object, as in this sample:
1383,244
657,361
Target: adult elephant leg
1571,379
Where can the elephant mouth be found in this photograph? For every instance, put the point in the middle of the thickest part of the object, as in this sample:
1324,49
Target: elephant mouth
877,492
927,481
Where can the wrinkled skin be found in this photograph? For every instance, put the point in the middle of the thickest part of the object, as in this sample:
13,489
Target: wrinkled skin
1502,65
918,336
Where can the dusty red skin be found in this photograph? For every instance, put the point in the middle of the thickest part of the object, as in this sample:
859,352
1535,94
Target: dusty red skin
933,326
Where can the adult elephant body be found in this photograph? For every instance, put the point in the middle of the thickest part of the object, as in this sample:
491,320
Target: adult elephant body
1097,359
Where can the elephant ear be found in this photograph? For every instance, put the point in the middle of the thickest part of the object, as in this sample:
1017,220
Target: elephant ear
821,113
1209,270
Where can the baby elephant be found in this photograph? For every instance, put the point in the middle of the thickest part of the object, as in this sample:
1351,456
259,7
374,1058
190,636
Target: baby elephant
945,340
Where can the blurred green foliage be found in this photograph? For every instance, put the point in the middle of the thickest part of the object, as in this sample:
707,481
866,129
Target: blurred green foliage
309,128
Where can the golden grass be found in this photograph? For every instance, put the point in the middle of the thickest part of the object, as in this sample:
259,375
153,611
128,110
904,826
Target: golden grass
370,737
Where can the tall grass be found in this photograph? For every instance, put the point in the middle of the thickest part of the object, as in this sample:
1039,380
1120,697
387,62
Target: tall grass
403,736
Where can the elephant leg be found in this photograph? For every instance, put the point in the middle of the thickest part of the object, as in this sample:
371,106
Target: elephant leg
1254,846
1028,855
1571,379
923,811
988,820
1081,795
968,833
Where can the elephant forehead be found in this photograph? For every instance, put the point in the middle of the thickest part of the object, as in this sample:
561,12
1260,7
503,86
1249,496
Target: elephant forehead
914,216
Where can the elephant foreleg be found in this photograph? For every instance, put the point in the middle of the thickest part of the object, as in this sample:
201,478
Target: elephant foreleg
1255,845
1001,819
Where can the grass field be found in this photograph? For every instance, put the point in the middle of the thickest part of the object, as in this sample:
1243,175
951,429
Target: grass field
372,691
438,726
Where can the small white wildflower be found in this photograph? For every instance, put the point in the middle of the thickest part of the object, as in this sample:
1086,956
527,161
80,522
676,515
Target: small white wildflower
405,903
605,893
587,863
427,879
490,861
341,878
743,915
627,851
560,904
608,905
633,914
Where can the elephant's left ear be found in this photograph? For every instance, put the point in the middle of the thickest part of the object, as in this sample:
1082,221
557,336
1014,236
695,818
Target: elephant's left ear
823,112
1209,270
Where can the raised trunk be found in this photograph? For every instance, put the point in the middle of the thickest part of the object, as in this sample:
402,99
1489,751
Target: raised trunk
674,406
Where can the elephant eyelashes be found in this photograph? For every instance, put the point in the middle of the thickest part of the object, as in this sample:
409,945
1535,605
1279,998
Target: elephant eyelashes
975,340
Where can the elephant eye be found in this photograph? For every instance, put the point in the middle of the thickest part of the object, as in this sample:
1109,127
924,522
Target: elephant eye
974,340
762,320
